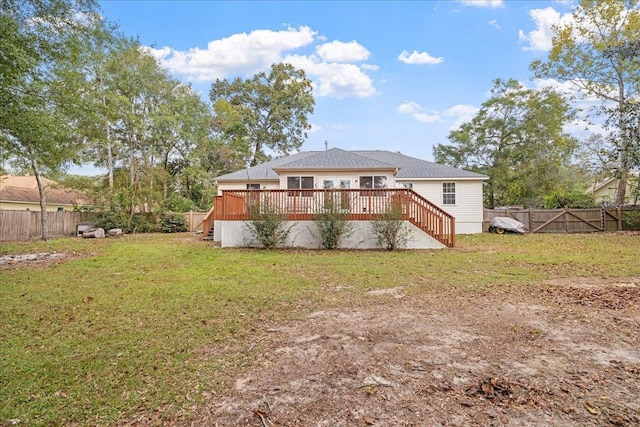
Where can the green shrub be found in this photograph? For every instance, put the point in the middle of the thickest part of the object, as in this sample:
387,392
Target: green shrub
139,223
173,223
567,199
390,229
177,203
143,223
110,219
631,220
268,225
333,223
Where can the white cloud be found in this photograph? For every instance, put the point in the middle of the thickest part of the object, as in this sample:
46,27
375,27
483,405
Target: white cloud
408,107
427,118
419,58
240,53
338,51
484,3
544,19
571,90
314,128
370,67
417,112
461,113
331,69
333,79
494,24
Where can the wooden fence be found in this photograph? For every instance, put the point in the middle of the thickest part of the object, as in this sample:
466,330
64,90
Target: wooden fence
194,220
571,220
25,225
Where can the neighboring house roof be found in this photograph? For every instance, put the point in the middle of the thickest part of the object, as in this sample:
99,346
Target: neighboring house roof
609,183
335,158
24,189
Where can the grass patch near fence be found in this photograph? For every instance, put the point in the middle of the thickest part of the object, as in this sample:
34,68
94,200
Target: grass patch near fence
156,324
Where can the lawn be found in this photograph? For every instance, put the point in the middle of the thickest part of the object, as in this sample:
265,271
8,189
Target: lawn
122,328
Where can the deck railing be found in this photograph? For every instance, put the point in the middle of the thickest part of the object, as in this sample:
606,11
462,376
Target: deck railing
360,204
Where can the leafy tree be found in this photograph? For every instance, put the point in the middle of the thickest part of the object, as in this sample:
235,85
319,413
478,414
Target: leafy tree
598,53
152,123
264,112
517,140
41,89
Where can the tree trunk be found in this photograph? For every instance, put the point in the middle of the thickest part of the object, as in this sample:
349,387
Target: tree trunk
624,156
44,223
94,233
109,160
621,191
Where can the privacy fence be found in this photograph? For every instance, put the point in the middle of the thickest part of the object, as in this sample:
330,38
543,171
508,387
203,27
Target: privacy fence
25,225
571,220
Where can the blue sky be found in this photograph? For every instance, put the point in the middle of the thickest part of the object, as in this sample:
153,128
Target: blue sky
389,75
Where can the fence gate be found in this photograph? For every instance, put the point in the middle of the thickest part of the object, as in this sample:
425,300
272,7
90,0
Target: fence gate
571,220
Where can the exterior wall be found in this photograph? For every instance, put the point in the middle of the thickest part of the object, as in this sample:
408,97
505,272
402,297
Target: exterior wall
468,210
352,176
304,234
265,185
26,206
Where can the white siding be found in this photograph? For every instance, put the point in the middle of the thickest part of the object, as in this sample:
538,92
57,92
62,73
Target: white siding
352,176
468,210
267,185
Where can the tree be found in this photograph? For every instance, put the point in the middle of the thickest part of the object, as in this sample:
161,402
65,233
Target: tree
517,140
41,61
598,53
264,112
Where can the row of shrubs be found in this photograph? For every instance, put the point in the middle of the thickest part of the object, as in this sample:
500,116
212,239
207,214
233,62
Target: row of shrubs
271,228
145,223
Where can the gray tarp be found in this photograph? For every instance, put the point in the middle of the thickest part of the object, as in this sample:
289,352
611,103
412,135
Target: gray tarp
506,223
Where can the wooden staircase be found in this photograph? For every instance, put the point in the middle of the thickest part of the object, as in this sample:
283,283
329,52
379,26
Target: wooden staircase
429,218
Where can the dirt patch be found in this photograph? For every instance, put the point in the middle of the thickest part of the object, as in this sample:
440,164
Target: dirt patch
499,357
23,261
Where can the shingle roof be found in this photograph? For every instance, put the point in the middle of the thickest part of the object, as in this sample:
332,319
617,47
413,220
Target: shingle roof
409,167
412,167
336,159
25,189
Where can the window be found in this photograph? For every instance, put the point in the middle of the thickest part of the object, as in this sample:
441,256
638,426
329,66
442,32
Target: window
407,185
301,182
253,186
448,193
327,183
372,182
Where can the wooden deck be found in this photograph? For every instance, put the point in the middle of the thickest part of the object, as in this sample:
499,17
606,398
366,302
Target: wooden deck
360,204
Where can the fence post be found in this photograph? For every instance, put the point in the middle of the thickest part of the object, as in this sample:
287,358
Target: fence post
530,219
619,218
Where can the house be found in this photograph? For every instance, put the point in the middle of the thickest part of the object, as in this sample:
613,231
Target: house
21,193
439,190
606,191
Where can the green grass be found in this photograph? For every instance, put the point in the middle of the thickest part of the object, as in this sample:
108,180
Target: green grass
158,323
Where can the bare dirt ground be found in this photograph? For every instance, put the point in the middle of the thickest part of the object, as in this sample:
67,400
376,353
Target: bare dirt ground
563,354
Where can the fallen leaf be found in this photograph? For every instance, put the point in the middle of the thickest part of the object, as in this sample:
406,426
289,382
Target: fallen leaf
367,420
593,410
